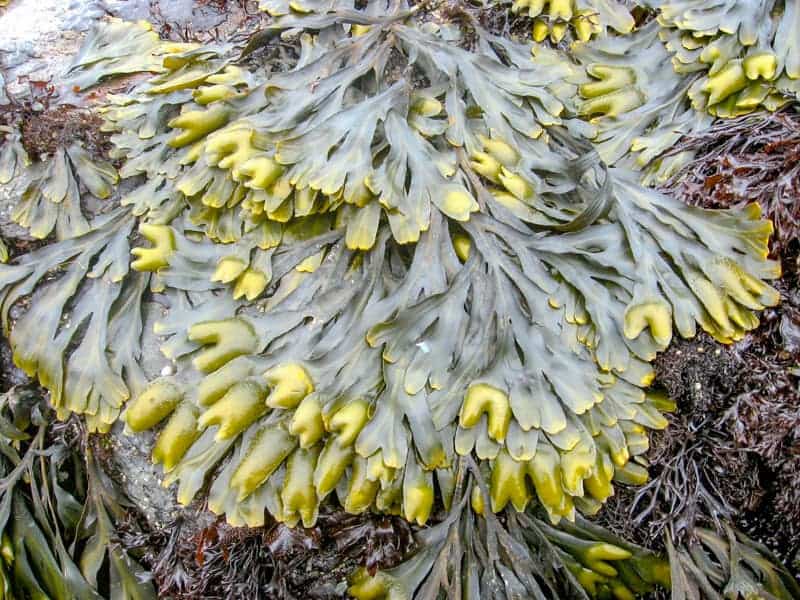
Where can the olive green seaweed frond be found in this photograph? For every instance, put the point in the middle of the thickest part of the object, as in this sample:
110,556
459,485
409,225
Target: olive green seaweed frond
473,554
69,337
534,366
52,199
117,47
730,563
727,61
636,102
58,512
747,51
52,196
583,19
13,157
383,253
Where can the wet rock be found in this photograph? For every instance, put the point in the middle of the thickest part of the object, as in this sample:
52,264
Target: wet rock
39,37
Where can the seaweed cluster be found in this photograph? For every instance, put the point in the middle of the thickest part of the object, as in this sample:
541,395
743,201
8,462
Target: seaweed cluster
756,158
737,412
673,74
473,553
58,511
219,561
747,52
391,260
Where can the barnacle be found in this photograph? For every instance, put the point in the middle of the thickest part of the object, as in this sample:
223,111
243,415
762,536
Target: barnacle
383,259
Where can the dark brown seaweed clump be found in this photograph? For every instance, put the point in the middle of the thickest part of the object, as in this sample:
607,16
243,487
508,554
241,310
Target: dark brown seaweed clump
220,561
733,447
47,125
750,159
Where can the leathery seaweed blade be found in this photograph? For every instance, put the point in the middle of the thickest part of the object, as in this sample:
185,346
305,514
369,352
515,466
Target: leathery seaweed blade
405,268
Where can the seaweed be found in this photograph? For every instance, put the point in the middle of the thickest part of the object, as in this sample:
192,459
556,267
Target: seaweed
527,343
220,561
395,276
476,554
57,511
729,454
755,157
61,151
746,51
585,18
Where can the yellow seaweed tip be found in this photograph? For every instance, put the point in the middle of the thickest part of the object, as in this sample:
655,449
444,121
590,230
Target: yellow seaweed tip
508,483
228,269
307,423
178,435
157,257
153,405
196,124
289,384
761,65
348,422
500,151
462,244
381,586
250,284
477,501
418,499
270,446
654,314
228,338
241,405
298,494
483,398
331,465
